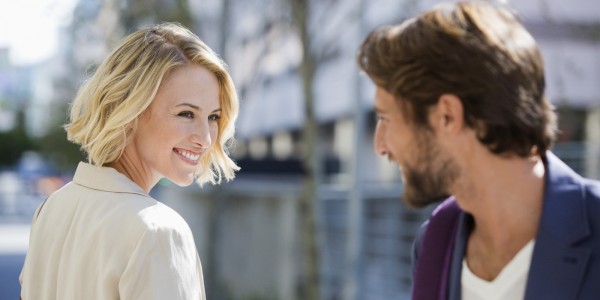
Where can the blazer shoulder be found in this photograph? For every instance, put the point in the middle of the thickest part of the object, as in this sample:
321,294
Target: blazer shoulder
592,188
592,201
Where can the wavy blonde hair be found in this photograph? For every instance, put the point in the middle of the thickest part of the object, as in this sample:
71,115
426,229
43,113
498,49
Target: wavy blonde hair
104,114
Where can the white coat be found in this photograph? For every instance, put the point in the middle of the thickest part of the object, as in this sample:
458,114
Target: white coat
102,237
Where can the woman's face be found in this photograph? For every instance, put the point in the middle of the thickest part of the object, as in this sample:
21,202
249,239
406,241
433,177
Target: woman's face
179,126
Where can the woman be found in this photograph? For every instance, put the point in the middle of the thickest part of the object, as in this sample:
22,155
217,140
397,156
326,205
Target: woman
161,105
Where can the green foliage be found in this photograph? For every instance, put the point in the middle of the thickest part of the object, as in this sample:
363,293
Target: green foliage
590,31
13,144
55,147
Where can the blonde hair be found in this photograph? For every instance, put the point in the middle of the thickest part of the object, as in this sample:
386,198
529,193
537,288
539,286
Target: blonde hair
104,113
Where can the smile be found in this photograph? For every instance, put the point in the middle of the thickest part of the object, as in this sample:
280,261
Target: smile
187,156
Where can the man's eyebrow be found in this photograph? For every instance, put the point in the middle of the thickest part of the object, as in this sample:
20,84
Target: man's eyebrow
187,104
379,110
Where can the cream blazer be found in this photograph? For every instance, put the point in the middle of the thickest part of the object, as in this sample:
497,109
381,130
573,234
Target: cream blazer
102,237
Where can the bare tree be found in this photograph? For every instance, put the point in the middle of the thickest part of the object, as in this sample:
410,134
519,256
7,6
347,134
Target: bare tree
148,12
308,200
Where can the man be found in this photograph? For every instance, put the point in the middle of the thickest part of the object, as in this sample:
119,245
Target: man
461,108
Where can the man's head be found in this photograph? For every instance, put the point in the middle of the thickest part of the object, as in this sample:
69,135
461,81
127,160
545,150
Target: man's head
426,169
477,52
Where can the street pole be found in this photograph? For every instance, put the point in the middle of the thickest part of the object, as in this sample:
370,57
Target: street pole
354,238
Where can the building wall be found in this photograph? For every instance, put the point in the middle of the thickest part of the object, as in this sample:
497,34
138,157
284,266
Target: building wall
593,143
248,242
248,238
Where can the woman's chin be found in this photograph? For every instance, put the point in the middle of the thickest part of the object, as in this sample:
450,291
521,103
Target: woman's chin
183,182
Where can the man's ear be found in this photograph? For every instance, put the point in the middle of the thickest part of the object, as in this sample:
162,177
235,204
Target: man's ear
449,114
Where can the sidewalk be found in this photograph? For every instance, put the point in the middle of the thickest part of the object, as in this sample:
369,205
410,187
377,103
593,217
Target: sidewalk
14,239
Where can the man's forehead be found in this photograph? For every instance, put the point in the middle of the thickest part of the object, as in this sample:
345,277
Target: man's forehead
384,101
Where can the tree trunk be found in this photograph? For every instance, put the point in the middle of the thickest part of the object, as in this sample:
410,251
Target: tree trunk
308,199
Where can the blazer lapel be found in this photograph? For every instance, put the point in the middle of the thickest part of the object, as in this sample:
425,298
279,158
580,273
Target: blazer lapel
458,254
558,264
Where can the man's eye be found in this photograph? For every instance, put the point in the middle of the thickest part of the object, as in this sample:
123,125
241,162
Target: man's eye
186,114
214,117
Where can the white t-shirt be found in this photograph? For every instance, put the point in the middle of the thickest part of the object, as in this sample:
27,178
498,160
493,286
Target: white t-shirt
102,237
508,285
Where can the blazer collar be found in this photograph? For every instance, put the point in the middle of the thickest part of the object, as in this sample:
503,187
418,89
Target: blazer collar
559,259
105,179
564,215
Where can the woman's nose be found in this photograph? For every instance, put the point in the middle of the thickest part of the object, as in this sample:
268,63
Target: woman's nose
201,136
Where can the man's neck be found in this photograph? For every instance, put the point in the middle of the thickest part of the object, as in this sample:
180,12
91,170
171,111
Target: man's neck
504,195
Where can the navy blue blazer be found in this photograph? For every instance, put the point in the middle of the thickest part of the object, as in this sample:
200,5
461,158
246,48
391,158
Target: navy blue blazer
566,257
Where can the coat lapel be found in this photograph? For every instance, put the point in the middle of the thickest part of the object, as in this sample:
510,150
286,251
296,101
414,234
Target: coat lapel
558,264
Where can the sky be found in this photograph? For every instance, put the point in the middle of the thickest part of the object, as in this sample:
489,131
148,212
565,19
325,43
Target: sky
29,28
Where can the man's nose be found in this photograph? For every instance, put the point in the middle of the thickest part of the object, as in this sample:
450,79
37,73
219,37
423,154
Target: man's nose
379,141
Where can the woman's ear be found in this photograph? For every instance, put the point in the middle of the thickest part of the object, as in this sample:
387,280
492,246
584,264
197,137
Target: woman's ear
132,126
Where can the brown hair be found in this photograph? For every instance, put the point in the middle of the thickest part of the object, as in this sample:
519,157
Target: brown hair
477,51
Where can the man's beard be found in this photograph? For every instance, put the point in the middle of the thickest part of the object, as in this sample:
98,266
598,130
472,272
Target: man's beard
427,180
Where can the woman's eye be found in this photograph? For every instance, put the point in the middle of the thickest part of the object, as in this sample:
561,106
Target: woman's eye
214,117
186,114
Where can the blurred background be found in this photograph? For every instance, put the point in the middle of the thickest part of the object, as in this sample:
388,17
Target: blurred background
313,214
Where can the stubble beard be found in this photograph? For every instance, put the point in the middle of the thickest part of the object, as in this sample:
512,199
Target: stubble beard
428,179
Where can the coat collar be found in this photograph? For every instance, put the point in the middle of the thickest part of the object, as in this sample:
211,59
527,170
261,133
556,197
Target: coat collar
560,258
564,216
105,179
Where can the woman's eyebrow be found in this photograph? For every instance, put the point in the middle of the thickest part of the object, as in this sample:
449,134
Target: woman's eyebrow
188,104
